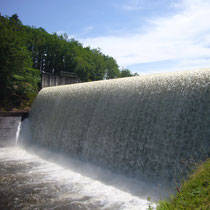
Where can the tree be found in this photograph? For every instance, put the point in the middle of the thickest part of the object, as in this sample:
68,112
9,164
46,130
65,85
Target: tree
15,61
125,73
27,51
112,69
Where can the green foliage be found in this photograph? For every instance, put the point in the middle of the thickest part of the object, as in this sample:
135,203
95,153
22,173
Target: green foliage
125,73
150,204
26,51
194,194
15,64
52,54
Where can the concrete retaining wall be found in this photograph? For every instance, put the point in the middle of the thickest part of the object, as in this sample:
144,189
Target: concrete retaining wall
8,130
54,80
9,123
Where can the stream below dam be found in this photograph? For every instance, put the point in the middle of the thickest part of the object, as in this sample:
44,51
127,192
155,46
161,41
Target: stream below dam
28,181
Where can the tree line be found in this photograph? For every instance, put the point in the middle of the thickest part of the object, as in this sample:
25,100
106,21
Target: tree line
27,51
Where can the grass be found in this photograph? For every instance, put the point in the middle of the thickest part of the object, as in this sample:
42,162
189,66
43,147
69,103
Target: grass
194,193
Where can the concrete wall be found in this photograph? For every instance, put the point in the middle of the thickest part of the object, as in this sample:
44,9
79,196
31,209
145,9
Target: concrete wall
54,80
8,130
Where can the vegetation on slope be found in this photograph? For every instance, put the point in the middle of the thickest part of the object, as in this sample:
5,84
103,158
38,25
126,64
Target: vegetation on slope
18,79
194,193
27,51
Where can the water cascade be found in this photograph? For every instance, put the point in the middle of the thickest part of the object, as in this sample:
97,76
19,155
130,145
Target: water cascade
17,133
153,127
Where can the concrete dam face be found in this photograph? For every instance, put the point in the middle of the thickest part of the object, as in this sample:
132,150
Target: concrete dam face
153,127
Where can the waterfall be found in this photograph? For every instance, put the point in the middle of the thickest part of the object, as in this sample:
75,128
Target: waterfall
153,127
17,132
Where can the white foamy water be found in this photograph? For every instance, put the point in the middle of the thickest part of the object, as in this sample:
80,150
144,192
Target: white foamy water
75,185
154,127
17,133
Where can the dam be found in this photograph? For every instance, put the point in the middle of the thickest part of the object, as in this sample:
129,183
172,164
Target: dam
152,129
152,126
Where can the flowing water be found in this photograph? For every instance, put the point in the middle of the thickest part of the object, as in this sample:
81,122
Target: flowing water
30,182
17,133
151,127
123,140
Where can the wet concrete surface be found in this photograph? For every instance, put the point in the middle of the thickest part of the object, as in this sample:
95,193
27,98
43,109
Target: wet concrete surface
8,130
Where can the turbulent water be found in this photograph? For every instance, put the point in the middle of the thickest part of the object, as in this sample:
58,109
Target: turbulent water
28,181
151,127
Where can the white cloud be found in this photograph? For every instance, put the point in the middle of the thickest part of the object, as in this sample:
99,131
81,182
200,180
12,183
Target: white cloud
184,37
87,29
190,4
132,5
69,36
60,32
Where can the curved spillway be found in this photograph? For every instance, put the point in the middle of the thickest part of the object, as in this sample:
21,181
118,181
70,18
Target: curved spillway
154,126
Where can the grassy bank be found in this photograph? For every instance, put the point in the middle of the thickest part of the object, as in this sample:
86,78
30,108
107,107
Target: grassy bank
194,193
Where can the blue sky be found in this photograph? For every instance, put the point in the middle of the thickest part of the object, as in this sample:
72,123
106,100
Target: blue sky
146,36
